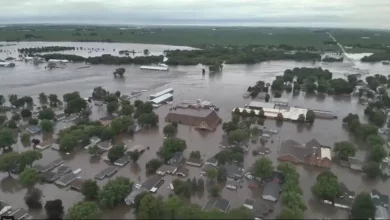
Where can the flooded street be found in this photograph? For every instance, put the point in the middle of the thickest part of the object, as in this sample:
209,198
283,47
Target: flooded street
224,90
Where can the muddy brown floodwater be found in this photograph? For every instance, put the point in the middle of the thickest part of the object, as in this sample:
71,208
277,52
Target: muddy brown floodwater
225,90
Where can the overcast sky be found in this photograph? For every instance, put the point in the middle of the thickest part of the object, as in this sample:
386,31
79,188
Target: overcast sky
311,13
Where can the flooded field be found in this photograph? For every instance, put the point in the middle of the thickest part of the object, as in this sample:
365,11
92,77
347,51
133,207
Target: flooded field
224,90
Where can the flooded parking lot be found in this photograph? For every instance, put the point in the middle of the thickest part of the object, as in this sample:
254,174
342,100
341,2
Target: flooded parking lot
224,90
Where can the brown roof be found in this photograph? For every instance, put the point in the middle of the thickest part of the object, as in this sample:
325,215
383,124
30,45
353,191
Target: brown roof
294,149
313,143
201,118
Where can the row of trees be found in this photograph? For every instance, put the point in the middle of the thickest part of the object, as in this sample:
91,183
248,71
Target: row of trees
109,196
19,161
312,79
375,116
328,188
33,50
369,134
185,189
106,59
293,203
234,55
377,57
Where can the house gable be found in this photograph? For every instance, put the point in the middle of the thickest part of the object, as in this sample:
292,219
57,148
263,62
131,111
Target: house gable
289,157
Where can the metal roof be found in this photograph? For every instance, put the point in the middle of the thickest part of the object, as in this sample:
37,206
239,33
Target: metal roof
158,94
162,98
257,104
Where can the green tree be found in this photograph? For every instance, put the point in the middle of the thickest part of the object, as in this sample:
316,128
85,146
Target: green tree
112,107
150,119
25,113
375,139
170,147
278,94
222,174
214,190
293,200
301,118
27,158
107,134
12,124
363,207
372,169
2,100
53,100
47,125
138,199
287,213
114,192
90,189
263,167
365,130
67,143
134,155
344,150
152,165
279,117
127,110
15,117
33,121
212,174
9,161
230,126
288,170
151,207
42,98
327,186
238,136
116,152
25,138
6,138
310,116
29,177
195,154
84,210
75,105
377,153
94,150
170,130
46,113
292,185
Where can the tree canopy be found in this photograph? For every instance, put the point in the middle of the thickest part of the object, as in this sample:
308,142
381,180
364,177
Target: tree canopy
90,189
170,130
263,167
84,210
238,136
46,113
344,150
171,146
116,152
327,186
363,207
29,177
8,161
6,138
114,192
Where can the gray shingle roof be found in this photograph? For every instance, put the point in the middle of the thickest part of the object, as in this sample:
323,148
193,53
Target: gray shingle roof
272,188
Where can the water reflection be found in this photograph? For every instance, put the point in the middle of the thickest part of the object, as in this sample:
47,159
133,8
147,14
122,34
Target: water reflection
10,184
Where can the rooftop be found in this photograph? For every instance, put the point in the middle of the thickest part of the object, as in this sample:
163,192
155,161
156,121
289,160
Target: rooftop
158,94
162,98
272,188
77,184
151,181
259,104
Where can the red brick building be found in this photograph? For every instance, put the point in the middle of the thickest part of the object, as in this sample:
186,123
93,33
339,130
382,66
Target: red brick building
312,153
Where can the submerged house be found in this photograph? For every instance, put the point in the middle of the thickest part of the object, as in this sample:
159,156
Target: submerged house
312,153
203,119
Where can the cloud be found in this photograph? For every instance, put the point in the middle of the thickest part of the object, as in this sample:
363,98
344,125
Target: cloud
338,13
